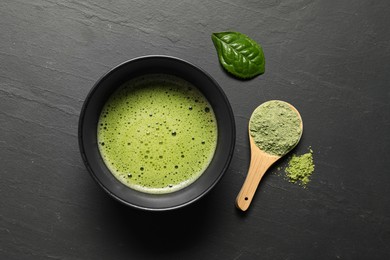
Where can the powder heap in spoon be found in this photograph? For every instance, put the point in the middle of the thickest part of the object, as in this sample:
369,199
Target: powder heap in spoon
275,127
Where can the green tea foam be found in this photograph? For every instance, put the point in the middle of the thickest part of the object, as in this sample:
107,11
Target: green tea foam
157,134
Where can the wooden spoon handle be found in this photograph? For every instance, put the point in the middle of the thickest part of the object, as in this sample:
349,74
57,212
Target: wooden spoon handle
259,164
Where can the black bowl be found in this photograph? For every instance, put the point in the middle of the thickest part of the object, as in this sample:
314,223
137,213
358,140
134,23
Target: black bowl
102,90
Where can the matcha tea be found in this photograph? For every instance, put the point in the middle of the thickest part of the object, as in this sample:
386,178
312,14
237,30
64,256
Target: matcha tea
157,134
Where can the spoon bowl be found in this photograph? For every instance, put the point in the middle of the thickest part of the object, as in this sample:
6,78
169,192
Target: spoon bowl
259,164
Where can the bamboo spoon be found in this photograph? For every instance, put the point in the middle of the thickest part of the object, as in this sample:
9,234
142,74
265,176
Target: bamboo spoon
259,164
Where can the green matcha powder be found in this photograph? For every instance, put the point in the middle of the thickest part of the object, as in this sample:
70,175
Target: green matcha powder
275,127
300,168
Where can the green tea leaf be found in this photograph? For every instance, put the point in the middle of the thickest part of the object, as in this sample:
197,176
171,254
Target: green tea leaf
239,54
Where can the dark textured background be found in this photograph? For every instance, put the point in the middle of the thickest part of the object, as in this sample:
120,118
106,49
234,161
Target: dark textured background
330,59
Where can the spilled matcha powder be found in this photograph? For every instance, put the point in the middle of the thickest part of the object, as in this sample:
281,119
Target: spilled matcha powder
275,127
300,168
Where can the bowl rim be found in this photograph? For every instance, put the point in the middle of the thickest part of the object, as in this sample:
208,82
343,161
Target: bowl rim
82,148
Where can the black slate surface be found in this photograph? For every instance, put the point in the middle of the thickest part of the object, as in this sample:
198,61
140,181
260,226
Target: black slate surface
330,59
